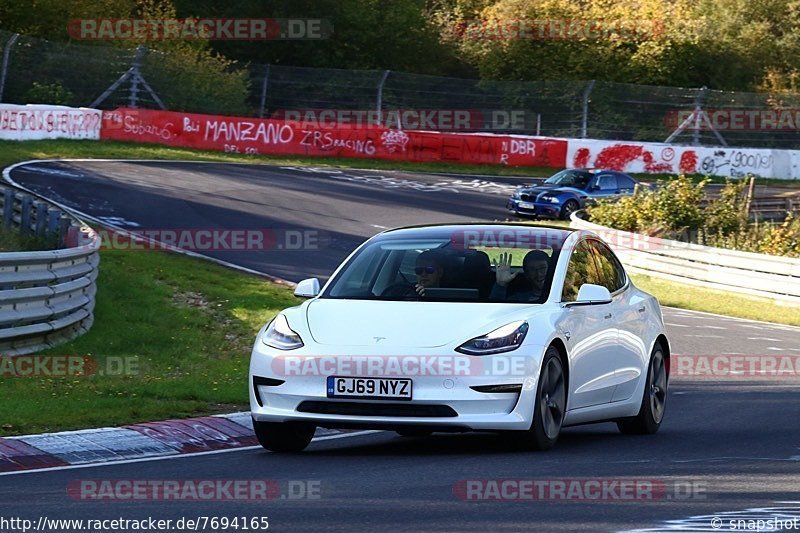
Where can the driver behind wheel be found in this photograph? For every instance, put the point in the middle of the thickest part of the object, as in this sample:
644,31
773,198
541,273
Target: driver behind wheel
429,269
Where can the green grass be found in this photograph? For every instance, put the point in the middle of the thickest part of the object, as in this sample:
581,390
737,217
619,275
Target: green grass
673,294
186,325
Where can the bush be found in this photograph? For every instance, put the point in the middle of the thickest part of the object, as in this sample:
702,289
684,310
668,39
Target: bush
196,80
727,215
620,215
676,205
48,93
783,239
674,211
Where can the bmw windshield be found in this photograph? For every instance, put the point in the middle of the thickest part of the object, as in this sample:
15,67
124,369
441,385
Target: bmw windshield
569,178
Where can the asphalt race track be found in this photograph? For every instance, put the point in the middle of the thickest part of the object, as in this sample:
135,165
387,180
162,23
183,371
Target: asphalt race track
729,447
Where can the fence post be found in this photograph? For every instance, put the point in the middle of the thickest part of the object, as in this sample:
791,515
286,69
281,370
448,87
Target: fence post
264,93
6,60
380,96
8,207
53,215
137,63
585,108
64,224
41,218
25,215
698,110
751,188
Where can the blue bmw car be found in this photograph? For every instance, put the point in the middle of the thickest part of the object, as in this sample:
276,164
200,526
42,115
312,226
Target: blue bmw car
569,190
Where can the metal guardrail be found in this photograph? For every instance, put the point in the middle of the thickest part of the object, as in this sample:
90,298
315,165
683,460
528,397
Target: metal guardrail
46,297
767,276
775,208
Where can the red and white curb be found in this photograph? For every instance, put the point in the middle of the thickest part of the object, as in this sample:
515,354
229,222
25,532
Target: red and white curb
135,441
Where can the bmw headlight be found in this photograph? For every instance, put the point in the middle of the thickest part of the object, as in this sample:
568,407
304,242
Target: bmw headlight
551,199
503,339
280,336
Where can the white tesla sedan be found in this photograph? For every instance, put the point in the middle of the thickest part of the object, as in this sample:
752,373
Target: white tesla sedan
487,327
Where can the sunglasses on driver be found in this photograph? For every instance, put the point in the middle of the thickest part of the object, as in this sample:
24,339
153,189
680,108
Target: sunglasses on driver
427,269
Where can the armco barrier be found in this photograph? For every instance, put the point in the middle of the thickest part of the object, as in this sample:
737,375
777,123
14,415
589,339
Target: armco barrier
46,297
773,277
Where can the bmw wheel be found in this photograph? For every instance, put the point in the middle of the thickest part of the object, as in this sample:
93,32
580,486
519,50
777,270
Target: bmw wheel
570,207
654,399
284,436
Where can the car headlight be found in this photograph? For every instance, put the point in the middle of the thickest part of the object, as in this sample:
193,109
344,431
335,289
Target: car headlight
280,336
503,339
551,199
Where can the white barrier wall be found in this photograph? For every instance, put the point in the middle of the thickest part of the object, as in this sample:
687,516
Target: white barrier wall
33,122
659,158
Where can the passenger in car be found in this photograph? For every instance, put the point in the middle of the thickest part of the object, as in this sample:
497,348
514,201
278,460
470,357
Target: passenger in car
525,286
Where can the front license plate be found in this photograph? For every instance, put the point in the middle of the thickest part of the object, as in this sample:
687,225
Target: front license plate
369,388
526,205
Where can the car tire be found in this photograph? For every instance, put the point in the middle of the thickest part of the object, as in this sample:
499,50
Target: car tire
551,403
284,436
654,398
569,207
413,432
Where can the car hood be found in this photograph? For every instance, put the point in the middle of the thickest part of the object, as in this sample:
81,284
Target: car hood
539,189
405,324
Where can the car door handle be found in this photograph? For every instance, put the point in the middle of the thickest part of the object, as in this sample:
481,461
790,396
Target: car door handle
607,316
642,309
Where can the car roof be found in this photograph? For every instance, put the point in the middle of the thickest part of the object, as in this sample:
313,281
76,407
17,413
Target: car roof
556,234
601,170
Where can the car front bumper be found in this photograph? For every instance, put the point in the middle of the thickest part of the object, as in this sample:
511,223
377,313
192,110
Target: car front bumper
444,402
534,209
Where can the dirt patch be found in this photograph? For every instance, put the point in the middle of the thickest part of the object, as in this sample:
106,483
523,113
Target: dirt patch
190,299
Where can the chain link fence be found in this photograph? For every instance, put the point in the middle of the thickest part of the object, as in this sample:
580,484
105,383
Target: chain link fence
38,71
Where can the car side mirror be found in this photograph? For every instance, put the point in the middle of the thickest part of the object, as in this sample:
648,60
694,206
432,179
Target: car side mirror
308,288
590,294
594,187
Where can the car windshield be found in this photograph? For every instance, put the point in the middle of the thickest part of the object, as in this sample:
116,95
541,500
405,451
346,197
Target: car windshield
569,178
517,268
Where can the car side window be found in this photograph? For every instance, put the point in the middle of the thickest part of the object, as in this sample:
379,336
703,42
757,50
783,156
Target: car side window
612,275
625,183
580,270
607,182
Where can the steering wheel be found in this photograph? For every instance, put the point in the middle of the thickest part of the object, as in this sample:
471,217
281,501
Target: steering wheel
405,291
